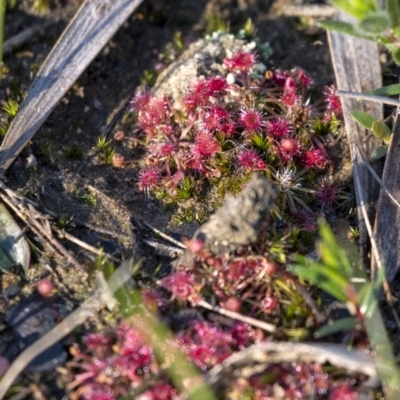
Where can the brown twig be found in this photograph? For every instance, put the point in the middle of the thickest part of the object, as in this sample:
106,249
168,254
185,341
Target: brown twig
234,315
85,245
24,37
31,220
165,236
20,200
27,222
105,231
164,250
37,30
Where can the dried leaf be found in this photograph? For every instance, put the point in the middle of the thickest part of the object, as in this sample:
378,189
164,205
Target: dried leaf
12,252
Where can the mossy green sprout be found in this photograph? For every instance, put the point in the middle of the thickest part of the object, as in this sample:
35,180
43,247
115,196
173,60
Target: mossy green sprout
10,107
86,197
41,6
102,143
73,151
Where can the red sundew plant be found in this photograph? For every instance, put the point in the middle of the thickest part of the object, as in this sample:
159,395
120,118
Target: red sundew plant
114,365
207,345
227,127
327,194
120,363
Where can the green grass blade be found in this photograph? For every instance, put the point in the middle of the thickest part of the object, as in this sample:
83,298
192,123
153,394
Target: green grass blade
390,90
380,152
356,8
343,27
323,277
363,118
342,324
376,23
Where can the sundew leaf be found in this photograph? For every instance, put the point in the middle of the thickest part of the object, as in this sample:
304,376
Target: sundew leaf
380,152
356,8
12,252
363,118
375,23
342,324
390,90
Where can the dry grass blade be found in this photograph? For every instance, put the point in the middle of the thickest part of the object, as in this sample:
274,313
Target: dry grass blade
309,10
357,69
368,97
30,218
375,250
256,358
164,235
92,27
387,225
379,180
100,298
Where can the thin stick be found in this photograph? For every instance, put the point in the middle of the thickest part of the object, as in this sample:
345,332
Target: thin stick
374,174
234,315
20,200
368,97
309,10
22,38
85,245
163,249
28,223
100,298
165,236
230,314
31,33
106,231
78,222
38,229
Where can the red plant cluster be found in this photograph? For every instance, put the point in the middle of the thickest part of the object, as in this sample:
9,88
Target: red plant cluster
207,345
113,365
121,364
228,128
